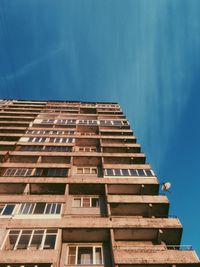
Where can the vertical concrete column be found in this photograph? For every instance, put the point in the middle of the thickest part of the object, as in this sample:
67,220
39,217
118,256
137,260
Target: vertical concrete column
106,199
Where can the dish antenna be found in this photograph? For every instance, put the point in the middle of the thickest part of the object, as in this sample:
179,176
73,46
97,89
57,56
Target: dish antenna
166,186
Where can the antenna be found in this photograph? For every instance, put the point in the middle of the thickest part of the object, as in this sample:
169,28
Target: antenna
166,186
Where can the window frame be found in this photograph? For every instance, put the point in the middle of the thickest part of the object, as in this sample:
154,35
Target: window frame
93,246
22,207
82,201
28,171
84,170
129,172
41,247
5,206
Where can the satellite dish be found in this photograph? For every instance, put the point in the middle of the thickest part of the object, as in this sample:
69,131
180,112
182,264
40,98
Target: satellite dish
165,186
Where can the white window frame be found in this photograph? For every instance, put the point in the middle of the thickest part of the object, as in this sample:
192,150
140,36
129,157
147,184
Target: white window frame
85,173
38,139
16,172
32,208
129,172
84,148
77,246
45,234
82,200
88,122
61,139
46,121
5,205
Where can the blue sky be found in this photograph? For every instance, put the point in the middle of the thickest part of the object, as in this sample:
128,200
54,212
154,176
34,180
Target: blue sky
142,54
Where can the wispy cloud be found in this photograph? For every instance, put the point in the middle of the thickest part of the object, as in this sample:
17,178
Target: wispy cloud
47,56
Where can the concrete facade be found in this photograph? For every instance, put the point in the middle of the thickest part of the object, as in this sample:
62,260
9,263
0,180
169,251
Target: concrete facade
75,190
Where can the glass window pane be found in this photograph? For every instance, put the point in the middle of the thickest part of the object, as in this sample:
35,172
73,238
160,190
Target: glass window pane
148,172
49,242
23,241
8,209
85,255
53,208
58,209
95,202
117,172
109,172
10,242
48,208
141,173
133,172
39,208
98,256
36,241
125,172
86,202
72,255
27,208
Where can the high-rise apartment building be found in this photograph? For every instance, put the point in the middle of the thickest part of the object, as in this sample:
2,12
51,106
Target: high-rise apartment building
75,190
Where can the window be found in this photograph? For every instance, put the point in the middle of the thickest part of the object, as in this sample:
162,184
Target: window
61,140
83,255
51,172
66,121
58,148
40,208
87,133
6,209
48,121
31,239
62,132
38,139
105,122
18,172
31,148
90,122
117,123
87,149
128,172
86,170
86,202
38,132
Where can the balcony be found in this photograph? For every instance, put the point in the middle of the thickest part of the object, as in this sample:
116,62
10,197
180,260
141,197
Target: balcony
136,158
148,256
146,206
86,205
136,187
168,230
28,256
132,148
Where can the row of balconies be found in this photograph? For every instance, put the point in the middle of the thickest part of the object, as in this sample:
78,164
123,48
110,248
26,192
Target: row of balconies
25,115
80,130
78,185
78,137
21,124
86,205
87,228
167,257
80,156
60,103
57,170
